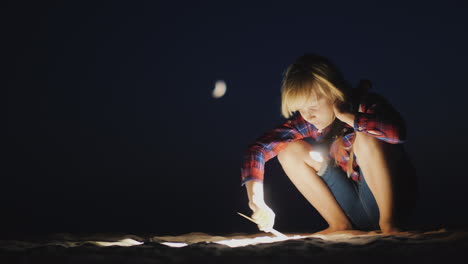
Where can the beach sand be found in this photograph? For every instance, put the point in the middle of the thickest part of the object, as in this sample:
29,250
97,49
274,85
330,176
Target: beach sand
436,246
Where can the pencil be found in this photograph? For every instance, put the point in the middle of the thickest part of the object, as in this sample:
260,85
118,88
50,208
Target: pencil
273,231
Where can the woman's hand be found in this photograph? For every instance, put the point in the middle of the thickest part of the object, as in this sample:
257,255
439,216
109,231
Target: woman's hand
263,216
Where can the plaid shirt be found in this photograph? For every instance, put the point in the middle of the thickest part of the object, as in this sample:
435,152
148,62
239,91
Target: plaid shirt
376,117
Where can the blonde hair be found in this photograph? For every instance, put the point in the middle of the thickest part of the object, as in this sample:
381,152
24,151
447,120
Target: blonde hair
295,93
309,76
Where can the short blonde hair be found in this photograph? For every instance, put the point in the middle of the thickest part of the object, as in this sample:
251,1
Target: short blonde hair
310,76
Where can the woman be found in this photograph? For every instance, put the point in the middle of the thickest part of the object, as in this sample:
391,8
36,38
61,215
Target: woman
363,180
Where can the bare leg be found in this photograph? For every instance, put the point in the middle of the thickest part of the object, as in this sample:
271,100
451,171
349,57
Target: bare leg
370,154
302,171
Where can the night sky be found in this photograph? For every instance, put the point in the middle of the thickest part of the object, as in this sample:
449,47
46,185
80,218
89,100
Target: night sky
111,126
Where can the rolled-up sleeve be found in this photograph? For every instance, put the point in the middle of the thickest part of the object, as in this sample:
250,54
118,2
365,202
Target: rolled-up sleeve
379,119
269,145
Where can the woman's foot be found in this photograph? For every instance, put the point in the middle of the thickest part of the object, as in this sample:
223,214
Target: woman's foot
341,229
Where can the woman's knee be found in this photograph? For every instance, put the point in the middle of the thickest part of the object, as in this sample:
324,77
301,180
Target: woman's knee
297,151
374,154
370,147
293,151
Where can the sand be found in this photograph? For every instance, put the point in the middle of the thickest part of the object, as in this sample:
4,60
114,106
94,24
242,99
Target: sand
437,246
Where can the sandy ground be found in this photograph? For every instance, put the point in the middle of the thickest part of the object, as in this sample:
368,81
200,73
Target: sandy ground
438,246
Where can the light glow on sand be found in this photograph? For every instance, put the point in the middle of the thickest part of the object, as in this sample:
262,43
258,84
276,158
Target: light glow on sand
126,242
254,241
219,90
352,237
174,244
241,242
316,156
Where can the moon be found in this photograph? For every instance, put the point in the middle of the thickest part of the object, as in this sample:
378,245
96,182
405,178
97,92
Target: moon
219,90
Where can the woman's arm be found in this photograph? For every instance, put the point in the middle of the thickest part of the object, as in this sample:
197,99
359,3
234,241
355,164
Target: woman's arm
376,118
263,149
270,144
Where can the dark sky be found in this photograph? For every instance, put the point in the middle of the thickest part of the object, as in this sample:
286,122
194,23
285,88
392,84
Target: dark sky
111,126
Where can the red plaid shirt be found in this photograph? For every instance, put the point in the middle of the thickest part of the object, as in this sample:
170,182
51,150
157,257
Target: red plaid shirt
376,117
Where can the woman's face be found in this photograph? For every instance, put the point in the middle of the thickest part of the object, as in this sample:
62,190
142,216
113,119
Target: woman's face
318,111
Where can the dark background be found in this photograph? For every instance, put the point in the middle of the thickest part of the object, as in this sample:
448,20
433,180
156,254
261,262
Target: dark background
111,126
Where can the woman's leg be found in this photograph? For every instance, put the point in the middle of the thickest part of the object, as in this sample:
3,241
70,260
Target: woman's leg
302,171
387,178
368,204
357,204
344,190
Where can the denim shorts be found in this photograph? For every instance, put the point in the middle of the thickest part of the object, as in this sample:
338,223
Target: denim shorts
356,199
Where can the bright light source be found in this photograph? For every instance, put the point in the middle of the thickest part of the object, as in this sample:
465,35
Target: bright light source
219,90
316,156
